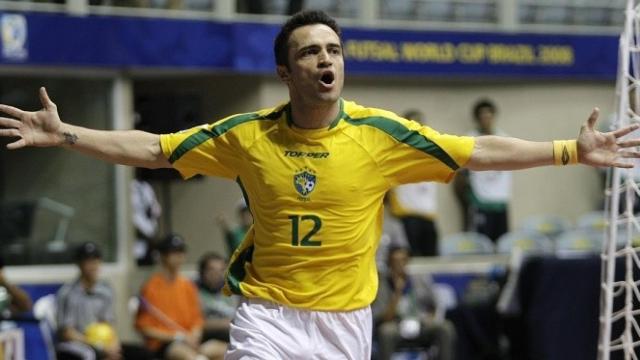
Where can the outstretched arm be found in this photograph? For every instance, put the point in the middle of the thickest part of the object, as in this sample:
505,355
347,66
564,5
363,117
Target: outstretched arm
43,128
594,148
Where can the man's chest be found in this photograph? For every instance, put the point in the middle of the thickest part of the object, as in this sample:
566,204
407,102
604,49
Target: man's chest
323,172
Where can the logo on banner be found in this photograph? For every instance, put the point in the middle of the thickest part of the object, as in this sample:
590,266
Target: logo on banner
14,36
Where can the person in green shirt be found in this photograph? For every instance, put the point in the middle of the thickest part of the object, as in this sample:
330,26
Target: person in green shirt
234,235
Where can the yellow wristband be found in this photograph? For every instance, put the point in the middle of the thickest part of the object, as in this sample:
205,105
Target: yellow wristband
565,152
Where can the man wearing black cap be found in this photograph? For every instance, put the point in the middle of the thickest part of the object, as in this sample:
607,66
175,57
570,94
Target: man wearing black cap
170,317
83,303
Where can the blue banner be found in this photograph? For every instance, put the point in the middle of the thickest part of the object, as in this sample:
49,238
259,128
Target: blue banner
480,54
126,42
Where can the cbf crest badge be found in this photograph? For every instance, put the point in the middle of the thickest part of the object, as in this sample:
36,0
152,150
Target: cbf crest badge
305,182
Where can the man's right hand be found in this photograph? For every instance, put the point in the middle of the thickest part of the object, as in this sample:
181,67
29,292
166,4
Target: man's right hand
40,128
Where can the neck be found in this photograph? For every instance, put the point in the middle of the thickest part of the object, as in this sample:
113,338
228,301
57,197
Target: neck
169,273
307,116
87,283
485,131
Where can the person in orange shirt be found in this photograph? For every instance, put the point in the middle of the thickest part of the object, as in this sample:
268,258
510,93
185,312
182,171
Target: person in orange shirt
170,318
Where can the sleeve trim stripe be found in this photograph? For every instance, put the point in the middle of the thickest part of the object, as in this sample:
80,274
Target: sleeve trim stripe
406,136
209,133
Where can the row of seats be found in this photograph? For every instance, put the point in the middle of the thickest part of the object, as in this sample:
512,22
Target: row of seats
544,234
566,12
561,12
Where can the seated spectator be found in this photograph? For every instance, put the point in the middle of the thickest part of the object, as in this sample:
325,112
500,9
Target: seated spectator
15,299
403,311
86,304
218,309
235,235
170,318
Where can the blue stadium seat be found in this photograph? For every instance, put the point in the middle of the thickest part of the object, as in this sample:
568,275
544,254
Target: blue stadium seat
593,221
465,243
525,240
579,241
548,225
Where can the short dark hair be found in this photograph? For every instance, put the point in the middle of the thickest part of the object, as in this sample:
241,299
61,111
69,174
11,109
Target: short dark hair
87,250
172,243
482,104
204,260
303,18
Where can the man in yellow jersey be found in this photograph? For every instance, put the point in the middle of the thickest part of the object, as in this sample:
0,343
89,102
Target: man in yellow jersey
314,172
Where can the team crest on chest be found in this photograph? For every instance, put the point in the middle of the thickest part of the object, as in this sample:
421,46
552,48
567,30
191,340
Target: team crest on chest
305,182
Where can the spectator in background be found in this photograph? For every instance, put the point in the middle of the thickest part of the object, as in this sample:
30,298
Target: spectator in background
234,236
87,303
393,235
484,195
170,318
416,205
146,212
218,309
13,299
403,311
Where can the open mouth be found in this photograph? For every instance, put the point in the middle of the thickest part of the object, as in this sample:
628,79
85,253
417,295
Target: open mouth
327,78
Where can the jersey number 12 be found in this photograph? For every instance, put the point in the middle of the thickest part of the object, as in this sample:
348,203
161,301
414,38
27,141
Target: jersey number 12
306,239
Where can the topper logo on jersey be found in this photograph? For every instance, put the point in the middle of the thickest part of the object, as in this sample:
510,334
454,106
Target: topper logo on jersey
305,182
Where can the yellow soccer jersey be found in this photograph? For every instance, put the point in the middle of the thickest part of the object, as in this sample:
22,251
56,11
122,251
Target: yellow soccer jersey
315,195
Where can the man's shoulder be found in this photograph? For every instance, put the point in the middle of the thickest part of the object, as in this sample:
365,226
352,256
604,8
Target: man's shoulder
358,113
250,118
67,289
153,281
187,282
103,287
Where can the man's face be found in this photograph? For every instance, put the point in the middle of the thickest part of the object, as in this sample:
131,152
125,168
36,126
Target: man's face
213,275
398,261
486,118
173,260
316,66
90,269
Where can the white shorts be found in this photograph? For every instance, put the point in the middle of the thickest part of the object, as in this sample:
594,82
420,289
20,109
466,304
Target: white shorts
262,330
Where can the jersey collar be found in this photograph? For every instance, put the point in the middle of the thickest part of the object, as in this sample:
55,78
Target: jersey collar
333,124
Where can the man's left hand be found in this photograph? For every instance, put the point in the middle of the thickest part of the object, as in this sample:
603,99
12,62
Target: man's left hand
596,148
